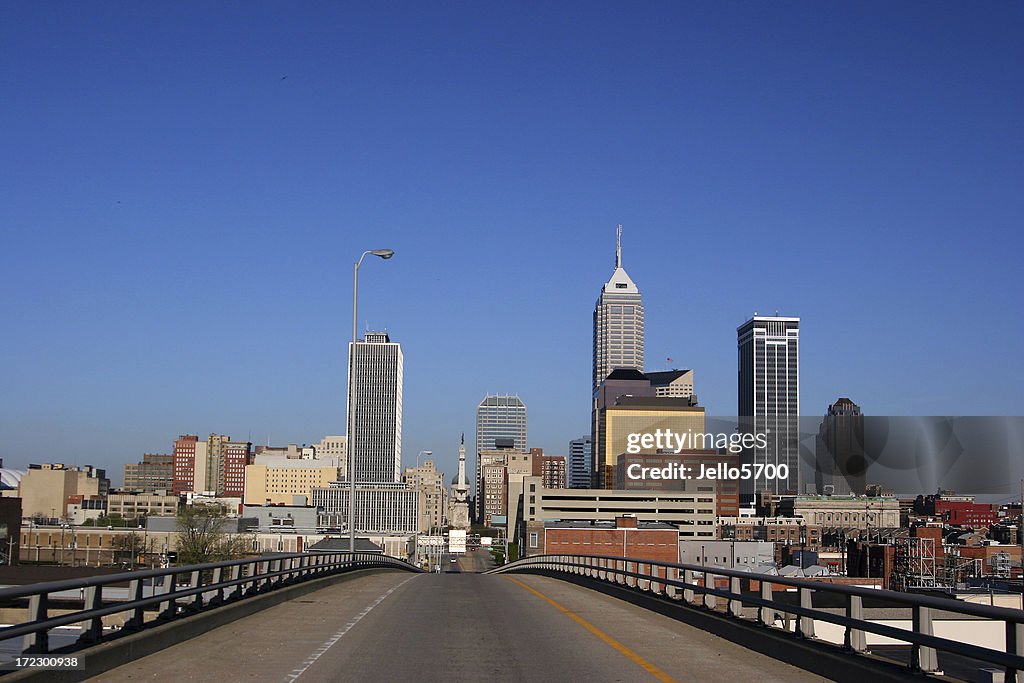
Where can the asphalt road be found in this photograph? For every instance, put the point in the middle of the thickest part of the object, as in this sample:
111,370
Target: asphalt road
460,627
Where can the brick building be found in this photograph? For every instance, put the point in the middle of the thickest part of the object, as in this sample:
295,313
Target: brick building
551,469
184,463
966,513
625,537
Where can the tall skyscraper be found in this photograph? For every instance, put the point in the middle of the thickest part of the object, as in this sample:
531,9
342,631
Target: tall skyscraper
618,323
500,423
580,463
769,399
840,463
375,375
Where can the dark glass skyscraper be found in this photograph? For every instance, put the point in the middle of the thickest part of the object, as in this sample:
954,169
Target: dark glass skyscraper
840,462
769,399
580,465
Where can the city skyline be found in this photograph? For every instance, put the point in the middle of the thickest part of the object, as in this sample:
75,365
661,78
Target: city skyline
181,244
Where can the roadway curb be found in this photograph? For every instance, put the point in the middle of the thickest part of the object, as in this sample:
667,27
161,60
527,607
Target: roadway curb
823,659
129,648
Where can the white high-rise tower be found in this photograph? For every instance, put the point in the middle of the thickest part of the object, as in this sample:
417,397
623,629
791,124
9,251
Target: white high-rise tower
618,323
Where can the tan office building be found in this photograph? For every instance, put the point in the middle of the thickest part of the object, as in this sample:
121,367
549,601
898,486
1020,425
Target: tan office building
44,489
134,505
276,480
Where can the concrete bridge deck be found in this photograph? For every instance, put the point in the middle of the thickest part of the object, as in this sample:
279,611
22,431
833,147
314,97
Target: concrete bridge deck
394,626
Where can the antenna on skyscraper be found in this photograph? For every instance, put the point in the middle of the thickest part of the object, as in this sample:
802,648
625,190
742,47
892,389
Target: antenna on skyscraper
618,247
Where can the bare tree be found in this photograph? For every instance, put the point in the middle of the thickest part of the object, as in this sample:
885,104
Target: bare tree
128,547
202,536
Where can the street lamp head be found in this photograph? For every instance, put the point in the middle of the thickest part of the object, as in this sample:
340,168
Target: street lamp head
383,253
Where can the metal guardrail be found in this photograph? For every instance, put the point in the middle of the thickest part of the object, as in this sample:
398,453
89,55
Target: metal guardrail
687,583
209,585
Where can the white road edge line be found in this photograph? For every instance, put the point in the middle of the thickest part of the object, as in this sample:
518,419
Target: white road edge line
319,652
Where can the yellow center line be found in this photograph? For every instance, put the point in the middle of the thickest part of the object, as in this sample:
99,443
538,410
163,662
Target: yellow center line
622,649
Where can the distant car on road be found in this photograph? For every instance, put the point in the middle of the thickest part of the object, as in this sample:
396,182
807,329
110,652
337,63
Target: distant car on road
452,559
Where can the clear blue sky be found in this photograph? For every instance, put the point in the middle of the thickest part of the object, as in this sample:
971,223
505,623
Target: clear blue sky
185,187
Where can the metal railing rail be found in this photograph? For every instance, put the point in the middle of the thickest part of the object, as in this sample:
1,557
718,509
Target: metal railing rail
208,585
687,583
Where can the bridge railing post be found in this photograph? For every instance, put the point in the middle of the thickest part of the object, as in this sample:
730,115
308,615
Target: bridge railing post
1014,646
923,658
235,591
135,594
261,571
671,573
275,568
766,614
196,581
689,578
93,600
710,601
654,585
218,595
805,624
735,604
252,571
168,608
38,642
854,639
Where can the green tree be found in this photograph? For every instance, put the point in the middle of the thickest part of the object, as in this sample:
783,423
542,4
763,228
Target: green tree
202,536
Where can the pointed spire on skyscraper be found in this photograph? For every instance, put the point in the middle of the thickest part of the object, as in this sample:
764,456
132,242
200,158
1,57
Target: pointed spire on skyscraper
618,247
618,322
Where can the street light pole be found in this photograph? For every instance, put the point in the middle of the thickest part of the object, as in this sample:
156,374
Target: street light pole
384,254
422,453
